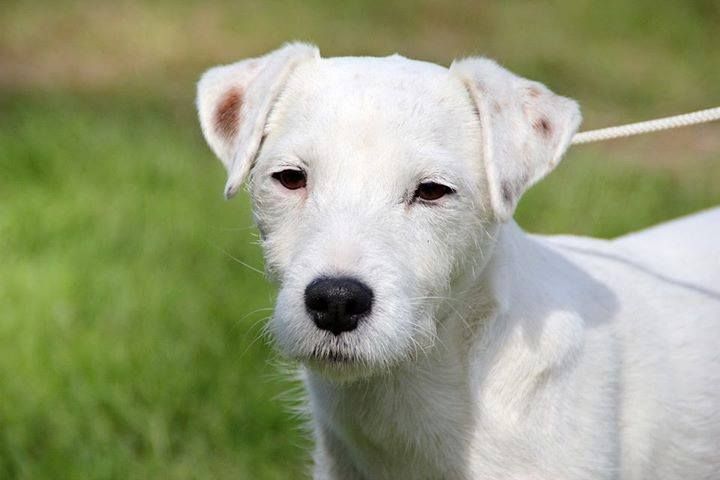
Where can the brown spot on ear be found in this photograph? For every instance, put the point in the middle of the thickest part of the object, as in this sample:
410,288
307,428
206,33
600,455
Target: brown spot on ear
543,126
227,114
534,92
496,106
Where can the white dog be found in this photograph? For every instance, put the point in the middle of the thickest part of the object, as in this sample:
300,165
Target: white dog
439,340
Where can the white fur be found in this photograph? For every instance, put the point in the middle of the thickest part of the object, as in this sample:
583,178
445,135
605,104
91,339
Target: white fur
489,353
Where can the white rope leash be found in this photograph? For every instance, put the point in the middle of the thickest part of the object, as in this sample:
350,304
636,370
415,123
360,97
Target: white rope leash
702,116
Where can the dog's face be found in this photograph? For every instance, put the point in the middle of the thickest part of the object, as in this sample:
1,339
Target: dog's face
374,185
365,194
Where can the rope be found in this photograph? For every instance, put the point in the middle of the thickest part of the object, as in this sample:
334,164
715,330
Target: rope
630,129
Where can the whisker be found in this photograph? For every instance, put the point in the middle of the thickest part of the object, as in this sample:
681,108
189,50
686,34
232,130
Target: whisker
240,261
263,309
263,333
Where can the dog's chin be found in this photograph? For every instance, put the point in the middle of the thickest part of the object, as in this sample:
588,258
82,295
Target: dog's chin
342,366
339,368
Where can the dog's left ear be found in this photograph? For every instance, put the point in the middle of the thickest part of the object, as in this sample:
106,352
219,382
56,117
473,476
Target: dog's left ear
526,129
234,101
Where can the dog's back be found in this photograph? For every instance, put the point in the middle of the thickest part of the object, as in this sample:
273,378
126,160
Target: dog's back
686,249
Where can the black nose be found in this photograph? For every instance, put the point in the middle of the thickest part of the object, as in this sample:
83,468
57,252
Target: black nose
337,303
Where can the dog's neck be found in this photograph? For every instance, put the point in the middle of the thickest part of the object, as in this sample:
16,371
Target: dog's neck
378,418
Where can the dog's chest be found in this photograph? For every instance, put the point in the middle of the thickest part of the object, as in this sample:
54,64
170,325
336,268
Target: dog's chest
436,434
418,423
406,433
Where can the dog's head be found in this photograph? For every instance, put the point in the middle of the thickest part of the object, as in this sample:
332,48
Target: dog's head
375,182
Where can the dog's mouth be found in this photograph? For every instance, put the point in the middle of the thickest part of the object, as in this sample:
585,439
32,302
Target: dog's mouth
336,362
331,357
337,365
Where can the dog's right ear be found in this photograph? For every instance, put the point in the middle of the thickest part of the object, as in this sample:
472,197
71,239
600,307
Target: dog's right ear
234,101
526,129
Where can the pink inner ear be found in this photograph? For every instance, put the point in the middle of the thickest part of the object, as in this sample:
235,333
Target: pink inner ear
227,114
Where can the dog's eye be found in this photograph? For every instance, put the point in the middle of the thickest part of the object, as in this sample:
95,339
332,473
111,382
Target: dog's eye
291,179
430,191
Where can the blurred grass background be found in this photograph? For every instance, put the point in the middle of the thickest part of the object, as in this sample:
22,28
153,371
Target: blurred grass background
128,334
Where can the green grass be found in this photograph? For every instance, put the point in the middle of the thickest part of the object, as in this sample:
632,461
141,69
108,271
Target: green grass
129,336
